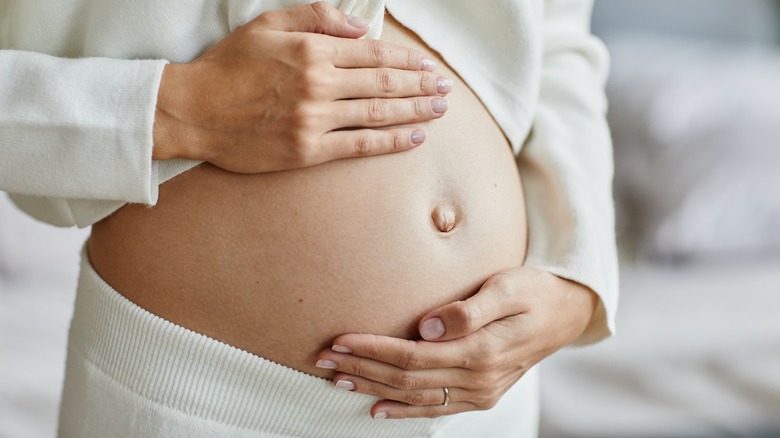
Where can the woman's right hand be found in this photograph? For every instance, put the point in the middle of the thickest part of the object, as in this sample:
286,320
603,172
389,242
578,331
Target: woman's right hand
295,88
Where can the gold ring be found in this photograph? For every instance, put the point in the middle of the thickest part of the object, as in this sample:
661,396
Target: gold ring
446,396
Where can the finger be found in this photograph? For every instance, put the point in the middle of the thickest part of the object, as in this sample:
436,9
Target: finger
376,53
389,82
417,397
405,354
386,112
390,375
397,410
368,142
498,298
317,17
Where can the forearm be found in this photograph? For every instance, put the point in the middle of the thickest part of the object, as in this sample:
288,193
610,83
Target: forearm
78,128
567,165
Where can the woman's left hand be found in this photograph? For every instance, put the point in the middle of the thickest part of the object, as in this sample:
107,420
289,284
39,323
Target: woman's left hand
477,348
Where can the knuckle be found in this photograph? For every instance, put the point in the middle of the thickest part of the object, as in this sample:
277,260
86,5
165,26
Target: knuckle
371,351
416,398
404,380
487,404
313,83
487,359
502,284
363,145
302,118
495,395
301,150
377,349
480,381
490,359
411,60
377,110
356,368
398,141
308,50
418,107
267,18
487,399
386,80
425,82
436,413
321,9
411,361
469,315
378,52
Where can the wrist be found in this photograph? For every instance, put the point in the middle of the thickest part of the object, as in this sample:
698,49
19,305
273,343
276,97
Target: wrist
584,302
577,304
173,137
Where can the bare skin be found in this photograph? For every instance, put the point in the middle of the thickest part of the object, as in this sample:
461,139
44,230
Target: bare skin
280,264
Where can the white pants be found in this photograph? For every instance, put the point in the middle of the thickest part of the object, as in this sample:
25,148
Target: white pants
133,374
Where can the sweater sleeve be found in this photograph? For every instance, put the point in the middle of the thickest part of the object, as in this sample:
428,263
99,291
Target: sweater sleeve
567,164
78,128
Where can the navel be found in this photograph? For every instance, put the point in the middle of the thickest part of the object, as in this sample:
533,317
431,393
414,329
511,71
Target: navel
445,217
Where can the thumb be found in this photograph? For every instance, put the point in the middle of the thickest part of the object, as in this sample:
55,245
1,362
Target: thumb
317,17
462,318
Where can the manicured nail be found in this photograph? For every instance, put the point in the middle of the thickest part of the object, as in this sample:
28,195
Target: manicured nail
439,105
380,415
443,85
428,64
326,364
418,137
345,384
342,348
359,22
432,329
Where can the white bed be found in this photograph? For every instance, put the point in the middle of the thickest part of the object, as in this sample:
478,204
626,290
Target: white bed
697,354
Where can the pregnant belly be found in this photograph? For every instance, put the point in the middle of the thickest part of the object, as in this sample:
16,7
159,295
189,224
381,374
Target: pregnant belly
280,264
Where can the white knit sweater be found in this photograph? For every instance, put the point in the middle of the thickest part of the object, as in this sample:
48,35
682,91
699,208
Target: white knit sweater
79,82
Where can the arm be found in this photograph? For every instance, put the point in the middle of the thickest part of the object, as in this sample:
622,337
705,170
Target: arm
567,165
265,98
65,122
481,346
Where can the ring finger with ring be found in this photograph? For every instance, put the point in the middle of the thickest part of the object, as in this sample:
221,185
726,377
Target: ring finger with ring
441,396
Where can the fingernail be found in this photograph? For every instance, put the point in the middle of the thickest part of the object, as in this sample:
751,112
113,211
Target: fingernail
439,105
380,415
432,329
428,64
342,348
443,85
326,364
418,137
345,384
358,22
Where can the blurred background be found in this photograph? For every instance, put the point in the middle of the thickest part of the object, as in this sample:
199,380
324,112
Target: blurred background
695,113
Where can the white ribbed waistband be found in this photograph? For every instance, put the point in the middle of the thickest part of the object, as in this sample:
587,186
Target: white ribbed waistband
201,377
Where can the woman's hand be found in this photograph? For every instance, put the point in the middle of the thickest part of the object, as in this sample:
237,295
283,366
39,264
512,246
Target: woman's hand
290,89
477,348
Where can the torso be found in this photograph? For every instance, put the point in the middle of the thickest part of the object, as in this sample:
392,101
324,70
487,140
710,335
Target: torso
280,264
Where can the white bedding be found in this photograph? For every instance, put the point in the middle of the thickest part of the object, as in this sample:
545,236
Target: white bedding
697,354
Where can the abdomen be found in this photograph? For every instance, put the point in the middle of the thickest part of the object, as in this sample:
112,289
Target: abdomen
280,264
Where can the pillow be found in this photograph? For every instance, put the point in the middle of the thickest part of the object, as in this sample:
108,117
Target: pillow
696,128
